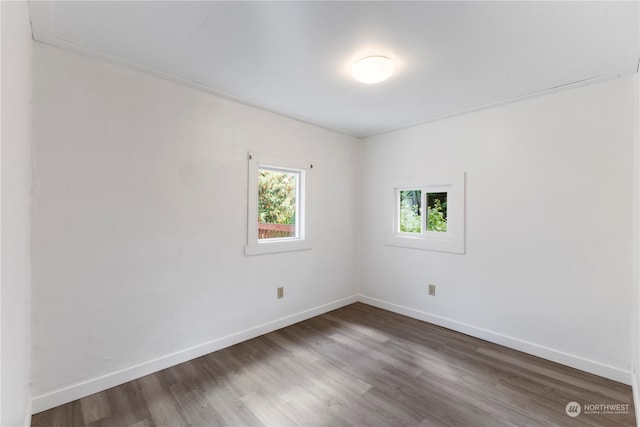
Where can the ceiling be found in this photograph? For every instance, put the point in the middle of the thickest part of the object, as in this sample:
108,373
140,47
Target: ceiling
295,57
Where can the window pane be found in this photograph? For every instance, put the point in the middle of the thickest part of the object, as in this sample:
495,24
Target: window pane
437,212
277,204
410,216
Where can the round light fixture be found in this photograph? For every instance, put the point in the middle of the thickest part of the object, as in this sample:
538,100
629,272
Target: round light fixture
373,69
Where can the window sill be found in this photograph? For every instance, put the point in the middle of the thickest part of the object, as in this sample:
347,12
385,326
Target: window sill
275,247
427,244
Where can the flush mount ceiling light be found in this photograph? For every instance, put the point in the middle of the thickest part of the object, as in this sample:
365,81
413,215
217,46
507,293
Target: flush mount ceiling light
373,69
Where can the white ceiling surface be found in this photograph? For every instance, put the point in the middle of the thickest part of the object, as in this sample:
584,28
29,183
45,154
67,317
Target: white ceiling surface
295,57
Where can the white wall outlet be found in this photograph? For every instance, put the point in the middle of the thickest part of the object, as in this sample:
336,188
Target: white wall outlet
432,290
280,292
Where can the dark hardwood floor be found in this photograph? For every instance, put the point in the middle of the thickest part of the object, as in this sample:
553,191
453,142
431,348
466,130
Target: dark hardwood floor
356,366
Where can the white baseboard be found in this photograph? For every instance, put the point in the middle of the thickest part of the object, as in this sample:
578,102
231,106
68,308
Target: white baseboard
636,396
94,385
28,412
571,360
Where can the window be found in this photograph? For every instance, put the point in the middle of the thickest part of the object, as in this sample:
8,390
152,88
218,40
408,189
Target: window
428,213
278,195
277,216
437,212
412,218
410,211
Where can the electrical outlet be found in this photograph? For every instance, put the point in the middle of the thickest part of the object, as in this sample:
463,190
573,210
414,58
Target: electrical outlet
432,290
280,292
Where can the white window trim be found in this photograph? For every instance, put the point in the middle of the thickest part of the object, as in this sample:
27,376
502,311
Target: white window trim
268,246
453,240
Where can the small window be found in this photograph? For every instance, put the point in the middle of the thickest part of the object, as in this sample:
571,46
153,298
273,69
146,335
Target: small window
277,214
410,214
428,213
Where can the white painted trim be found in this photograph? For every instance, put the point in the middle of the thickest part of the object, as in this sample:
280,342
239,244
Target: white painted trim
532,95
28,412
94,385
454,239
269,246
567,359
636,397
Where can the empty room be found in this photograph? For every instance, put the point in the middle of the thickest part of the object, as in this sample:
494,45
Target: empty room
319,213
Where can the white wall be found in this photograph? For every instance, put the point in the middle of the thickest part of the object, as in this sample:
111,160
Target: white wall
549,262
15,292
139,225
635,330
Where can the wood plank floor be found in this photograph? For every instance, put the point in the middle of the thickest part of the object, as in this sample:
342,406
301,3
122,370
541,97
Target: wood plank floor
356,366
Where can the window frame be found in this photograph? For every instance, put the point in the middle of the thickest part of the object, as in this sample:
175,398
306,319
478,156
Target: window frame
452,240
302,241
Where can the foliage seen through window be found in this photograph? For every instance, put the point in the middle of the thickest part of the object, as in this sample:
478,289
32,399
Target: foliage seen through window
411,211
277,203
